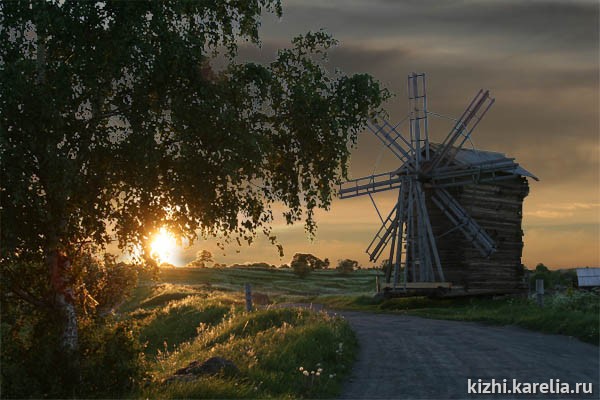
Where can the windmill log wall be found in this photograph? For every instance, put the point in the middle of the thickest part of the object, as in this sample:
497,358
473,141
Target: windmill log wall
497,208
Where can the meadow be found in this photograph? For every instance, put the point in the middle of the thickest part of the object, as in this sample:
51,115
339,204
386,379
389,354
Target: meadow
185,316
572,312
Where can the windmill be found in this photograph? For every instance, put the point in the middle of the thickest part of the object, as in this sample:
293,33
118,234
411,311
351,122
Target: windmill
427,176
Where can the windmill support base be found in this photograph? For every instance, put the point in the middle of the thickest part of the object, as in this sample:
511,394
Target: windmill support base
440,290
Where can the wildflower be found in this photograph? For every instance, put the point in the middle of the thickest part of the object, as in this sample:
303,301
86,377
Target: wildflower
320,370
301,369
305,373
318,373
312,372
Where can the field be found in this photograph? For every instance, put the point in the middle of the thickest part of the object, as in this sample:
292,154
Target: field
173,322
573,313
274,282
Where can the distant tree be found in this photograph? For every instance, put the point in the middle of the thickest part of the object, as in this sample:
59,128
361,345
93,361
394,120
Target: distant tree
301,268
113,126
553,278
166,265
346,266
326,263
541,268
312,261
203,257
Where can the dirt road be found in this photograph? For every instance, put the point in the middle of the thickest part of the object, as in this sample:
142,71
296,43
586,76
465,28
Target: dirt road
403,357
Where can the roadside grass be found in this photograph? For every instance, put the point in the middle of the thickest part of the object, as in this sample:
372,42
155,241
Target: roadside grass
181,323
177,322
268,347
574,314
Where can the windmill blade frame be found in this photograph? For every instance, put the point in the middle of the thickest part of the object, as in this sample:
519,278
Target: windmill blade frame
425,212
465,125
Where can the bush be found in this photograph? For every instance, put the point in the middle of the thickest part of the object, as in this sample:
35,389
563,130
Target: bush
575,300
111,362
102,284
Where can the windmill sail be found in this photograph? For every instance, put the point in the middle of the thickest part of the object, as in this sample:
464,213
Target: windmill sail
426,170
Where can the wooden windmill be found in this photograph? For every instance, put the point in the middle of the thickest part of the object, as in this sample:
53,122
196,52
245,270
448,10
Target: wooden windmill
443,190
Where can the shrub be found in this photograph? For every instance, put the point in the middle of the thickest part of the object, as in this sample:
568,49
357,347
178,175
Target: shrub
33,366
113,363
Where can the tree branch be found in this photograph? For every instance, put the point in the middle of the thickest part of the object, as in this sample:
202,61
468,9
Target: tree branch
29,298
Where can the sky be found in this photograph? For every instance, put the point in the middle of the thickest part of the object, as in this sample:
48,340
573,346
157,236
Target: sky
539,59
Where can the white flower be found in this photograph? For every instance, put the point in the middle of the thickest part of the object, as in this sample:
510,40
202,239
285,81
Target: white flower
318,373
320,370
305,373
301,369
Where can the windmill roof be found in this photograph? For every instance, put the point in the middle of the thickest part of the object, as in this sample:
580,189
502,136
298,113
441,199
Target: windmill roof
472,156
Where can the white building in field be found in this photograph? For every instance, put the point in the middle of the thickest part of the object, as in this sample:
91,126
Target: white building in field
588,277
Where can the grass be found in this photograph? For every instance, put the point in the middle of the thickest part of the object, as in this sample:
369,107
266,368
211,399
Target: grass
275,282
196,314
184,323
575,314
178,322
268,347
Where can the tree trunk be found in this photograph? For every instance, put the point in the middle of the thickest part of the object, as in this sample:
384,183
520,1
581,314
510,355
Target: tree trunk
60,268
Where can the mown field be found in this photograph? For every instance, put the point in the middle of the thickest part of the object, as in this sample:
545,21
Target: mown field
274,281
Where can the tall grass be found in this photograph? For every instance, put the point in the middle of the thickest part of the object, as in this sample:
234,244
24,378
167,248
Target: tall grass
269,347
177,322
184,323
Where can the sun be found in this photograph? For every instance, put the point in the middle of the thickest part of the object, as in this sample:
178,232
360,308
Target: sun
163,247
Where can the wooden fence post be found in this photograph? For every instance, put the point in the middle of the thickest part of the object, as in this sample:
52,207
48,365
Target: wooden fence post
539,290
377,284
248,297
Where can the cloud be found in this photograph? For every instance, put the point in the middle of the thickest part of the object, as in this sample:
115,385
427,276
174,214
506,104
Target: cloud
540,59
543,25
565,210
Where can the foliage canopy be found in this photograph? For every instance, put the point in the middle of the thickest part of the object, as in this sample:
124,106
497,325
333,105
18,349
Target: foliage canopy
112,120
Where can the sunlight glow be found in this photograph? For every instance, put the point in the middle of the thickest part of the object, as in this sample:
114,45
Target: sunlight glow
163,247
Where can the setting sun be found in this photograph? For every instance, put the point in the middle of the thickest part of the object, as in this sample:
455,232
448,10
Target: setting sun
163,247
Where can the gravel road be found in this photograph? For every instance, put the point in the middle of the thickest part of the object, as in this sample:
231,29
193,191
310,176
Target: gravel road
404,357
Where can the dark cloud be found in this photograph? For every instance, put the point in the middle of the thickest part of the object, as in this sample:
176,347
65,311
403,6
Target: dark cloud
541,24
540,60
